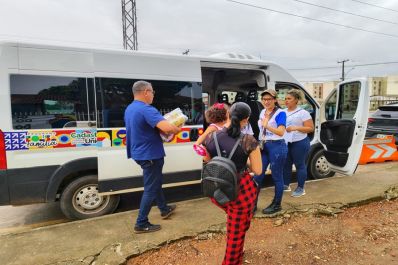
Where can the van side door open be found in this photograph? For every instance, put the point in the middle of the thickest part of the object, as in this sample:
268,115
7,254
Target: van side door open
344,117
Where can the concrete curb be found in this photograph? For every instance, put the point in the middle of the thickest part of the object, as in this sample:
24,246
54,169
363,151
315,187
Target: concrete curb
329,209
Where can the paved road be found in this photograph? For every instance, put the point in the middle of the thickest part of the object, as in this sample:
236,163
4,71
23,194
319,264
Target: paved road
23,218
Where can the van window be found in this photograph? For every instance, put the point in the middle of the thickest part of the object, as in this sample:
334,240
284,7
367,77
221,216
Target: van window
330,106
282,92
348,100
44,102
115,94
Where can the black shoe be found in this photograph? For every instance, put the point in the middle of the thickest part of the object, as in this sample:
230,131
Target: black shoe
272,208
169,212
271,205
148,228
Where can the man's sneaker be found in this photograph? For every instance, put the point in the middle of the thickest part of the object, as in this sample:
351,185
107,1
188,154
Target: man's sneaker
286,188
148,228
169,212
298,192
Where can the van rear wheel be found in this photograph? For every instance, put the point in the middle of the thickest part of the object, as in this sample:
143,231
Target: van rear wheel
319,167
81,200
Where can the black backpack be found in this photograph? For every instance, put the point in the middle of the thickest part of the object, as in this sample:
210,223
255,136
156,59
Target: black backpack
220,177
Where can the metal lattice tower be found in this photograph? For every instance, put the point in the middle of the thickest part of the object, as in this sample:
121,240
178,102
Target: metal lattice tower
129,18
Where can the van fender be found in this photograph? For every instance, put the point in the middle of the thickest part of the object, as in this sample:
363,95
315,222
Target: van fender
313,148
67,169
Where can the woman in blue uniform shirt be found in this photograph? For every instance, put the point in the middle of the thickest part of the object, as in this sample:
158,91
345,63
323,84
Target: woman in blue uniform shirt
272,124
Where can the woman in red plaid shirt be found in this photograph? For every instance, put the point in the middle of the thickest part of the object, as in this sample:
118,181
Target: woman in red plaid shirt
240,211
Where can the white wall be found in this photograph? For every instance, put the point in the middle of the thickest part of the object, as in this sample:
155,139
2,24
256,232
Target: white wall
392,85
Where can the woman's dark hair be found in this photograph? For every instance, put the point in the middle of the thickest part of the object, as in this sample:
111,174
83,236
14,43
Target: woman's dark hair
238,112
275,97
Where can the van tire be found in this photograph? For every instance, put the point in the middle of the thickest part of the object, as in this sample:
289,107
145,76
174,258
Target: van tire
86,187
318,167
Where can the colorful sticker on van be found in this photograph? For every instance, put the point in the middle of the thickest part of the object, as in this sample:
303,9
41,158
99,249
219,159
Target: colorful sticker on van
15,140
47,139
104,138
119,137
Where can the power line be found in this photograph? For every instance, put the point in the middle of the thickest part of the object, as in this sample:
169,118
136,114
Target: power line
382,7
313,19
345,12
313,68
331,67
369,64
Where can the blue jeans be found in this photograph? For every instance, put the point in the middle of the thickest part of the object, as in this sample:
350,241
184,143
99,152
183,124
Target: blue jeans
274,153
297,155
153,179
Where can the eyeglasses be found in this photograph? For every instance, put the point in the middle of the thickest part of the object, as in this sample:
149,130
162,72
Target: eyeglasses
267,99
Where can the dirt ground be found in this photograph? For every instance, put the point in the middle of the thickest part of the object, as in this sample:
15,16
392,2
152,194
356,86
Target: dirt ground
366,234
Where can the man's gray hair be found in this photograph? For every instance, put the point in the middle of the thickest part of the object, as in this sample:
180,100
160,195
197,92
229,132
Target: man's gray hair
140,86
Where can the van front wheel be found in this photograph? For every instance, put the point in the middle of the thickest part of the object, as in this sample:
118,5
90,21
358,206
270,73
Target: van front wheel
81,200
318,166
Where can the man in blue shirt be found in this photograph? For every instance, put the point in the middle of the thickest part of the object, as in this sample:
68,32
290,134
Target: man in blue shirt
145,146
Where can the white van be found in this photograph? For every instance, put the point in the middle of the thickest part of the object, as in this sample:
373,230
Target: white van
61,119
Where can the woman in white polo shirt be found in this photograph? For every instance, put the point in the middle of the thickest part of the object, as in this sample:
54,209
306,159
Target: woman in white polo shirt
298,124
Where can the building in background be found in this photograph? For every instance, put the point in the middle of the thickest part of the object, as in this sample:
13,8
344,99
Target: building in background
320,90
383,90
392,85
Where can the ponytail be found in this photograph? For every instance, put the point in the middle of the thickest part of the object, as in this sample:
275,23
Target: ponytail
234,128
238,112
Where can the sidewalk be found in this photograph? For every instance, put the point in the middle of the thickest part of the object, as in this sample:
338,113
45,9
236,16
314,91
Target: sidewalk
111,240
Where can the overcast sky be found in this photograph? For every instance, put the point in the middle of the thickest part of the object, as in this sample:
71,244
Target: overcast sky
212,26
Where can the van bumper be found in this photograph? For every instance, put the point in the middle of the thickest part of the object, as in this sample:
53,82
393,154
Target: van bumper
26,185
4,193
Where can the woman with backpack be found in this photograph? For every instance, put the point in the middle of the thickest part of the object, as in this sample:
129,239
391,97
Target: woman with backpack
272,124
240,210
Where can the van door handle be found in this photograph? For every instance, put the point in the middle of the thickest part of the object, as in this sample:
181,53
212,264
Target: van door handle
92,123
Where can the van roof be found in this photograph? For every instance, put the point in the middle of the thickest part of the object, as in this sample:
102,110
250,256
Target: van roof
219,57
277,73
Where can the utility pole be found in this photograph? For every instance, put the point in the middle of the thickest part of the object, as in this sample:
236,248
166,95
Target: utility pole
129,20
342,70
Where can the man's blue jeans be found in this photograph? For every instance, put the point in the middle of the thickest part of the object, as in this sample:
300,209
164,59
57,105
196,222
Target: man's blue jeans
274,153
297,155
153,179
